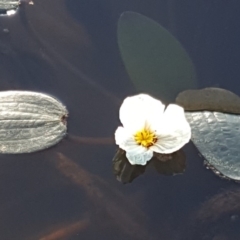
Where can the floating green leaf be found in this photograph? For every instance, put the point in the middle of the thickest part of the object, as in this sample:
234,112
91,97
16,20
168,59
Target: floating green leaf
155,61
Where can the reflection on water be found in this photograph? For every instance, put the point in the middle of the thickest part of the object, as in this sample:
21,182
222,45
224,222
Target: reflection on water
68,49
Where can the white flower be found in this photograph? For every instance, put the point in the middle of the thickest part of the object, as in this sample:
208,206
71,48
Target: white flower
148,127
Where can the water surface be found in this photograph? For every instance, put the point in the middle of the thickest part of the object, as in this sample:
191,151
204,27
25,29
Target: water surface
68,49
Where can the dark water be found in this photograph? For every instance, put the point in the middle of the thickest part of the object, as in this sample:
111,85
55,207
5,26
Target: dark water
68,49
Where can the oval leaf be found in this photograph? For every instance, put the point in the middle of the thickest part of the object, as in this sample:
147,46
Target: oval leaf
30,121
210,99
155,61
217,137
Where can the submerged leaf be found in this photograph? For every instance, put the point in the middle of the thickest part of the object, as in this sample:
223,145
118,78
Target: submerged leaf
210,99
217,137
155,60
30,121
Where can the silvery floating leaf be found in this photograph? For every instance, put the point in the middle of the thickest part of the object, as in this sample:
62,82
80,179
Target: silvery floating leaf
217,137
30,121
154,59
211,99
215,132
8,6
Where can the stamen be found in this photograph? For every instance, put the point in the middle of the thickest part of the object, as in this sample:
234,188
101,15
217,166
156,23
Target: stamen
145,137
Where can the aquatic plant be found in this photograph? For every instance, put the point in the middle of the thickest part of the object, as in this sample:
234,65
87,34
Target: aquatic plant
157,64
148,127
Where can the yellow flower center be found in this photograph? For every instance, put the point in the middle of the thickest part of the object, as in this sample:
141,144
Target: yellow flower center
145,137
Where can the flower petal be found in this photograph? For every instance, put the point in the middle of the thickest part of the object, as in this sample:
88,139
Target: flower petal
120,135
139,159
126,141
133,148
174,131
135,111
